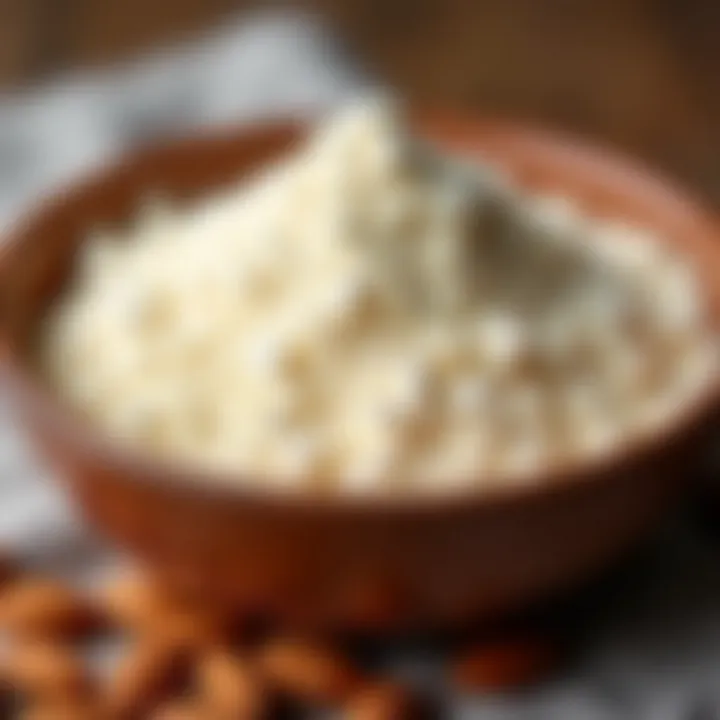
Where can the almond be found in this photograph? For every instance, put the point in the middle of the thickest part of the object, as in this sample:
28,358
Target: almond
381,702
146,676
44,672
39,608
229,686
142,606
135,602
308,671
505,664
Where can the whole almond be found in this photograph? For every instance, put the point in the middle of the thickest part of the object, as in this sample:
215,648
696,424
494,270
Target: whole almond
229,686
138,604
134,602
505,664
47,673
40,608
308,671
381,702
146,676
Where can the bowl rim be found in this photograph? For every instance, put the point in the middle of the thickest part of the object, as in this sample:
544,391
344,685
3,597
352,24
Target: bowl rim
29,393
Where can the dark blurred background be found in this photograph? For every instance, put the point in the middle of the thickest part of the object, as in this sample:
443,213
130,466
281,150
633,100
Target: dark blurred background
640,73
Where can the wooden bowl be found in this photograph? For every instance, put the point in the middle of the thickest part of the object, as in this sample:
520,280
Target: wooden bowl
360,562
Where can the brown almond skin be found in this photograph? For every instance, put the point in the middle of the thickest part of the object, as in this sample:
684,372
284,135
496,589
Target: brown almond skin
147,675
45,672
45,609
139,605
381,702
134,602
229,686
505,664
308,671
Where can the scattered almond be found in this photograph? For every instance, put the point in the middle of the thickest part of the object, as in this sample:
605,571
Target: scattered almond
135,602
54,684
140,605
39,608
381,702
47,672
505,664
148,674
307,671
229,686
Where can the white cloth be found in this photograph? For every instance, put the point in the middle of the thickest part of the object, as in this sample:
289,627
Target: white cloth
652,653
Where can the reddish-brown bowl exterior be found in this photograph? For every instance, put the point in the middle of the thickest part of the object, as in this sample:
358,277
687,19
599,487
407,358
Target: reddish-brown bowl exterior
381,562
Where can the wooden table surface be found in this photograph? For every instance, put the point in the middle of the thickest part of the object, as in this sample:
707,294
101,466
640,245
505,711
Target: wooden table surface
642,74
